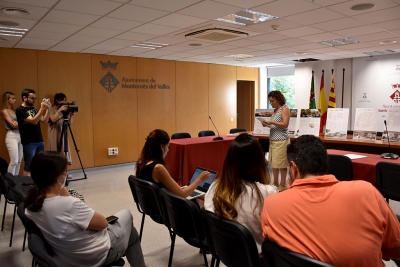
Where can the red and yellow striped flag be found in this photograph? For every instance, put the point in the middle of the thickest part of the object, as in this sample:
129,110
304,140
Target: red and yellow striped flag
332,95
322,105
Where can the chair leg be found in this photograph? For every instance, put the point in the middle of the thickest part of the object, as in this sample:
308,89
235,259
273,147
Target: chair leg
23,245
141,227
12,226
4,214
205,259
33,262
171,252
217,264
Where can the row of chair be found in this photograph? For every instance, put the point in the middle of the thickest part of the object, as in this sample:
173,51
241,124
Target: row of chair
183,135
203,229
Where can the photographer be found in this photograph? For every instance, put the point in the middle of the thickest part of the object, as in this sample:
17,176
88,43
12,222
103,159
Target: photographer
56,119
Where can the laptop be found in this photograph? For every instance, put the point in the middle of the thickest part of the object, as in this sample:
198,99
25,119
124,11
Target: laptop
202,188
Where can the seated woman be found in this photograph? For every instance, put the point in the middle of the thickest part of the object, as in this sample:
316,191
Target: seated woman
244,184
151,165
78,235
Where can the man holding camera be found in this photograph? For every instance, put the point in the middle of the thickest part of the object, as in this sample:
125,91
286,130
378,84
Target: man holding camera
28,118
58,113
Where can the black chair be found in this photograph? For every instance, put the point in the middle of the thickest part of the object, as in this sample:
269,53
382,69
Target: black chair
387,180
41,255
230,242
237,130
341,167
9,198
146,199
180,135
275,255
206,133
182,217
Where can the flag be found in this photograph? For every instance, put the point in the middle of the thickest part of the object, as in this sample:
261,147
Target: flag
322,105
312,95
332,94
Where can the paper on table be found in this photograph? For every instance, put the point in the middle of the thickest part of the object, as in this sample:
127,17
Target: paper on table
355,156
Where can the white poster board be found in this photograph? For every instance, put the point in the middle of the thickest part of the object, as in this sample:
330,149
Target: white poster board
392,124
337,120
365,123
310,119
293,128
261,116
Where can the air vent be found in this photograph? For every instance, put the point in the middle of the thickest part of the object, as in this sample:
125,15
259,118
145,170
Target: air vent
9,23
15,11
216,34
306,60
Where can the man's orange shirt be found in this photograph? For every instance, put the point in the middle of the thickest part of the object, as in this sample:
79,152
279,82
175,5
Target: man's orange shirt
341,223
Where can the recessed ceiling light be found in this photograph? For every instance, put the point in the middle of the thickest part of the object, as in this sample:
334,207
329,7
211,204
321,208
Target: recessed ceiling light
340,41
149,45
362,7
9,23
15,11
300,53
246,17
382,52
240,56
9,31
387,42
195,44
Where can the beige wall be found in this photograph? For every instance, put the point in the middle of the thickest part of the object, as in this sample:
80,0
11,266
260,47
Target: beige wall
124,117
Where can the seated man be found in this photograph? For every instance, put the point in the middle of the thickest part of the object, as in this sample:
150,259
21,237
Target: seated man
341,223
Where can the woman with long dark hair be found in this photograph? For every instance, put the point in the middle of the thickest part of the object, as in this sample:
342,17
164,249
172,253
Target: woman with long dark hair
244,184
151,165
78,235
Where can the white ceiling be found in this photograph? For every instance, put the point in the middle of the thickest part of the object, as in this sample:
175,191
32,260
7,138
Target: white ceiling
113,26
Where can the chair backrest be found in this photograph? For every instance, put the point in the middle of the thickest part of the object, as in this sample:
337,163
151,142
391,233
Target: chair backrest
20,191
147,196
387,180
237,130
275,255
206,133
4,188
341,167
3,166
37,247
180,135
232,243
133,190
182,215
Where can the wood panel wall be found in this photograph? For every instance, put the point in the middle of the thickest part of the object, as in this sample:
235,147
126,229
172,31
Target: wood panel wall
124,117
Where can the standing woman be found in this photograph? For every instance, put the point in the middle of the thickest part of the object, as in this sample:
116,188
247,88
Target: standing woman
55,125
279,138
13,139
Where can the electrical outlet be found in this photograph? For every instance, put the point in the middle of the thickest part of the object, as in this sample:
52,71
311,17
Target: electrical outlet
113,151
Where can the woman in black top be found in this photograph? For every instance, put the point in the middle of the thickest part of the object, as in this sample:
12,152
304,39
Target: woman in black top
151,165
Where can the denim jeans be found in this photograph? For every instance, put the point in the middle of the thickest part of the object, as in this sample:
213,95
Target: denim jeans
14,147
30,150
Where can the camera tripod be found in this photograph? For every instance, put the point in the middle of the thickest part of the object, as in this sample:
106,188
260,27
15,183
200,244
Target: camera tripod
64,140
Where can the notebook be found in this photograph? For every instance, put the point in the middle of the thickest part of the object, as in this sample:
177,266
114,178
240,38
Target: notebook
202,188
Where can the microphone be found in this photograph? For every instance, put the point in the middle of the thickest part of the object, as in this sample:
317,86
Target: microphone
218,137
389,155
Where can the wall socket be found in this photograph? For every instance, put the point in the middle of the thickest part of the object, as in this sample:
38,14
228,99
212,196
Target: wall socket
113,151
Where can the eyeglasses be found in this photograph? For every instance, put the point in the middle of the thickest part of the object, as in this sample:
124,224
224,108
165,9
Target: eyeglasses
32,98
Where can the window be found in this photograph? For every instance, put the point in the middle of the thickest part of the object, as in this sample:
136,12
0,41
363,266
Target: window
282,79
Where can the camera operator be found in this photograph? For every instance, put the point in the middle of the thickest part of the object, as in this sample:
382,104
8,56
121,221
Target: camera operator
56,120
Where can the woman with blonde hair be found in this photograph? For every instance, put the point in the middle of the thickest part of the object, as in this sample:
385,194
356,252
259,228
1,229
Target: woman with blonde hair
13,139
244,184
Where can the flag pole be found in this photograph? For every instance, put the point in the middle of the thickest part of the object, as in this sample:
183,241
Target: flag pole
342,87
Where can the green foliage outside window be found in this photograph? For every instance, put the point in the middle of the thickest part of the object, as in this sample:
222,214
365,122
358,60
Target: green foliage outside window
285,84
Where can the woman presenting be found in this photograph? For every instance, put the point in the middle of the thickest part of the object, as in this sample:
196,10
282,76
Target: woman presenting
279,138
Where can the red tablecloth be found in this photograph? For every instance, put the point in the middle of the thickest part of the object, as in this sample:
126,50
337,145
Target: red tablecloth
364,168
186,154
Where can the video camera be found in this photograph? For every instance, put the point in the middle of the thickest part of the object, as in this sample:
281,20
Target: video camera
70,108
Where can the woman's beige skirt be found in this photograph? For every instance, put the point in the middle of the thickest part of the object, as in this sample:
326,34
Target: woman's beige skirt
277,158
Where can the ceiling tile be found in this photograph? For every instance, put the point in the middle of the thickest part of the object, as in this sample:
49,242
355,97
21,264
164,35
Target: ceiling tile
94,7
39,3
94,51
269,37
32,46
244,4
380,16
23,23
389,25
56,27
47,35
265,46
85,39
290,42
137,13
135,36
36,12
209,10
107,48
381,36
327,2
154,29
167,5
321,37
242,42
167,40
310,46
345,8
92,31
35,41
220,47
338,24
178,21
358,31
68,17
116,24
315,16
301,31
242,50
117,42
177,48
128,51
266,27
283,8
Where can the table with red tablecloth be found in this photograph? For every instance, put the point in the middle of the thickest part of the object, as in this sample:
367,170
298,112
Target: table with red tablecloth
364,168
186,154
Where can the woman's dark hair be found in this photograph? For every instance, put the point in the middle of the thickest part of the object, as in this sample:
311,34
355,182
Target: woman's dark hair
59,97
278,96
152,149
244,164
45,168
